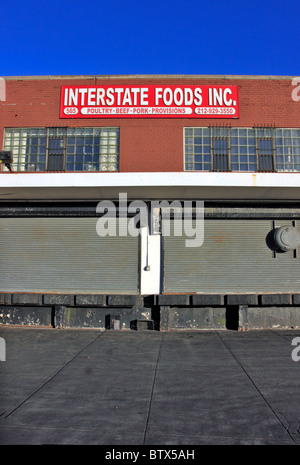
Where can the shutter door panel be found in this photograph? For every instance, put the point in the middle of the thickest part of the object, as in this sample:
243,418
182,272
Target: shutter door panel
234,258
65,255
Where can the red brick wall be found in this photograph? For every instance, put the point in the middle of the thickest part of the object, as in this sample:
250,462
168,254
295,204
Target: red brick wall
148,144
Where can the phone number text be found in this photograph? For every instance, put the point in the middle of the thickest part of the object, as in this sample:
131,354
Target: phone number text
215,111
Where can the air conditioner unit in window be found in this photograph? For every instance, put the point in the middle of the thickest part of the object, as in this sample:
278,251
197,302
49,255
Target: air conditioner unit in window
6,158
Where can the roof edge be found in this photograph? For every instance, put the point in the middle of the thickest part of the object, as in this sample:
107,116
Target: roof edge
149,76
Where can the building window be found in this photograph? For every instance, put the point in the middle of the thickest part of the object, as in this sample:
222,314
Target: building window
265,154
197,149
241,149
56,153
220,148
287,147
63,149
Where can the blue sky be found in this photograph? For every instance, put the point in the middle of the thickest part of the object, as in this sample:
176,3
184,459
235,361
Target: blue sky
112,37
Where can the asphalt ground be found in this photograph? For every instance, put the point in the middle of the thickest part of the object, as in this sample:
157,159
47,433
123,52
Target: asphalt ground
91,387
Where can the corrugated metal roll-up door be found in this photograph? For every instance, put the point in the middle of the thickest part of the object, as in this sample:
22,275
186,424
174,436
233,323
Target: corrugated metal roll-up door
234,258
65,255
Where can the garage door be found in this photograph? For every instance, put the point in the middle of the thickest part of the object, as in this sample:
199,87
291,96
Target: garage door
235,258
65,255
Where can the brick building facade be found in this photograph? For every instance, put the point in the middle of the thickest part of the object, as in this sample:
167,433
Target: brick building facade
240,161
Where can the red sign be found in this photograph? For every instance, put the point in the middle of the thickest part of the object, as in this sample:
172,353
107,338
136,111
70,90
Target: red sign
149,101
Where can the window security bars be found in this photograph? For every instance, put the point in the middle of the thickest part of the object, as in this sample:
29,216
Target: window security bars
56,153
265,154
63,149
242,149
220,150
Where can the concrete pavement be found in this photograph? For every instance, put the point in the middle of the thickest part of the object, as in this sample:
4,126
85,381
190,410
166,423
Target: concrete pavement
148,387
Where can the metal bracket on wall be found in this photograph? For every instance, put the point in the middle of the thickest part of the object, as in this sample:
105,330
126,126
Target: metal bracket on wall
296,252
273,228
